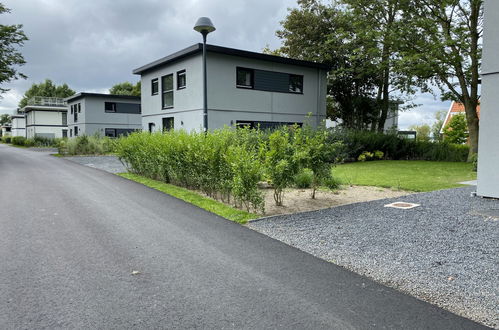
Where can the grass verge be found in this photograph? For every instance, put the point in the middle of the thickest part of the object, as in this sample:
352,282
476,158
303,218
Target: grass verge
194,198
405,174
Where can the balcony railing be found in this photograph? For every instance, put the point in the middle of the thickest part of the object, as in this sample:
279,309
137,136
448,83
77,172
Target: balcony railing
47,101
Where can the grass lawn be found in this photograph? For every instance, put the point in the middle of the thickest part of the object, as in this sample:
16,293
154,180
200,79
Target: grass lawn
194,198
405,174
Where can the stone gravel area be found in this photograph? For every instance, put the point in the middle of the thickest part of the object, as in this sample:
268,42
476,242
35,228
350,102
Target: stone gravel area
445,251
106,163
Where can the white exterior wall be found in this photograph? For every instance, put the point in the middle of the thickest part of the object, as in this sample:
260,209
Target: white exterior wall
18,126
488,150
93,119
227,103
187,102
45,122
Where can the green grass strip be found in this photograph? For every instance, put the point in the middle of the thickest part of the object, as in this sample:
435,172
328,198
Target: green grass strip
194,198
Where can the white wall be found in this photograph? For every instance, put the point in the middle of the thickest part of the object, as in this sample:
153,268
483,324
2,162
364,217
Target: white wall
18,126
44,122
488,150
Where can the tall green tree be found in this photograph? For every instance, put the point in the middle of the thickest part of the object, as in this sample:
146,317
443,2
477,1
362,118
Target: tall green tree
5,119
48,89
456,130
11,37
126,88
422,132
443,47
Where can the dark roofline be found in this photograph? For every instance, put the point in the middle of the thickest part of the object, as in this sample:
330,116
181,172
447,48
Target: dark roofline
84,94
197,48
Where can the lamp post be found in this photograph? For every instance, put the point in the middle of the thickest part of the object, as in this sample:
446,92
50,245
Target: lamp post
204,26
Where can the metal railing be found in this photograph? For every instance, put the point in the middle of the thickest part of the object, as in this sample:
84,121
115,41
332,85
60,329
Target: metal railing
47,101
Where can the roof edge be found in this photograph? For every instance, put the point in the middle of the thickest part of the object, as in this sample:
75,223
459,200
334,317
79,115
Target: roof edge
85,94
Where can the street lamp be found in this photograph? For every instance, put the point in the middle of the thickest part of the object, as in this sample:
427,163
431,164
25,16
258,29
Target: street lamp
204,26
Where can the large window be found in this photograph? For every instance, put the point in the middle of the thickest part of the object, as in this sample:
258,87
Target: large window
65,118
110,106
181,79
295,83
154,86
244,78
76,130
167,91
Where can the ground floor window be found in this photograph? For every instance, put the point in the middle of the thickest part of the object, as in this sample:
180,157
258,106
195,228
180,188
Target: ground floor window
64,133
264,124
70,132
110,132
76,130
168,123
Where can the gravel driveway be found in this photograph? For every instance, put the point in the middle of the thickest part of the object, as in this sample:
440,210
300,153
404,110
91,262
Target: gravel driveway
444,252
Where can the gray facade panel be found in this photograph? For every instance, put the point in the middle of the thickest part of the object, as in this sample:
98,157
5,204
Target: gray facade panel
128,108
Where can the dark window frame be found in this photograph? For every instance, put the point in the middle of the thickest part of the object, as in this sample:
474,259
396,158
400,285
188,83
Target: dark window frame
111,108
252,83
154,82
181,73
107,130
163,120
79,107
299,76
166,91
76,131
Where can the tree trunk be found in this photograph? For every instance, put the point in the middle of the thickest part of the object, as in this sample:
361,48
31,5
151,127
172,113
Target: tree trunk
473,125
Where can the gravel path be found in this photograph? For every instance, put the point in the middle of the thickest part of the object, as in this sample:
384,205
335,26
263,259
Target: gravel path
106,163
444,252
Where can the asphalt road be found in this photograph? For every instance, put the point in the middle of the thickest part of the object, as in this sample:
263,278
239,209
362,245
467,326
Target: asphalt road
71,236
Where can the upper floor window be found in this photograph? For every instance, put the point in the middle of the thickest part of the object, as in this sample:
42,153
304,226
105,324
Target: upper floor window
110,106
244,78
167,91
72,108
64,118
154,86
295,83
181,79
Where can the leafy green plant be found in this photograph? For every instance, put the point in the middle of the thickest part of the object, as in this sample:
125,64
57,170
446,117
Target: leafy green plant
18,140
474,161
366,155
304,178
7,139
332,182
87,145
378,154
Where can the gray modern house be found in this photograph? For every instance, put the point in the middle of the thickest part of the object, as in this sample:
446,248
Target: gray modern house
488,150
46,117
18,124
103,114
244,88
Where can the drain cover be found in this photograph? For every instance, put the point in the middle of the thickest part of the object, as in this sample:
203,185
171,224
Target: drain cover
402,205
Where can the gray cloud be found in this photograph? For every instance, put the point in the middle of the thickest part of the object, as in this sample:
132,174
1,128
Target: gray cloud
91,45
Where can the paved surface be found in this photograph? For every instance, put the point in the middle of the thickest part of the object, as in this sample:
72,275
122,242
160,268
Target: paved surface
445,251
71,236
109,164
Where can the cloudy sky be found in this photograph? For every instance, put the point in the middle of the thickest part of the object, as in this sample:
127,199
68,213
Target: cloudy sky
93,44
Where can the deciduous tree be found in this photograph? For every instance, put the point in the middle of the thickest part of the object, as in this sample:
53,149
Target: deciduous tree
48,89
11,38
456,131
125,88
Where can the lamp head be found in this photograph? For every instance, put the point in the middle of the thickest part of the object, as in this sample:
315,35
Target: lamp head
204,25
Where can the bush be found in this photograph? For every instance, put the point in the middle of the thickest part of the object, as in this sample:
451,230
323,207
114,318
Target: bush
18,140
87,145
7,139
474,161
332,183
304,178
395,147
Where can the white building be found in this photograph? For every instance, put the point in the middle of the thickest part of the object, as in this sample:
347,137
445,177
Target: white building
46,117
488,150
103,114
6,130
18,125
244,88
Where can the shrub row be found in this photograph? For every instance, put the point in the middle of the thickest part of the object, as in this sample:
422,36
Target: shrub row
87,145
228,164
394,147
37,141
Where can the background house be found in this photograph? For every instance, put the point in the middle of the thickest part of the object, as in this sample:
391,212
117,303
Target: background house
244,88
488,152
6,130
18,125
455,109
103,114
46,117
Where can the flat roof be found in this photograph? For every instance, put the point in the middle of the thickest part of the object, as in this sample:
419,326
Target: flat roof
198,48
84,94
29,108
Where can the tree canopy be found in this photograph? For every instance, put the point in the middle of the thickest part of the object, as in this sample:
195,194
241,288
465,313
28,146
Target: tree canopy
11,37
46,88
456,130
126,88
5,119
